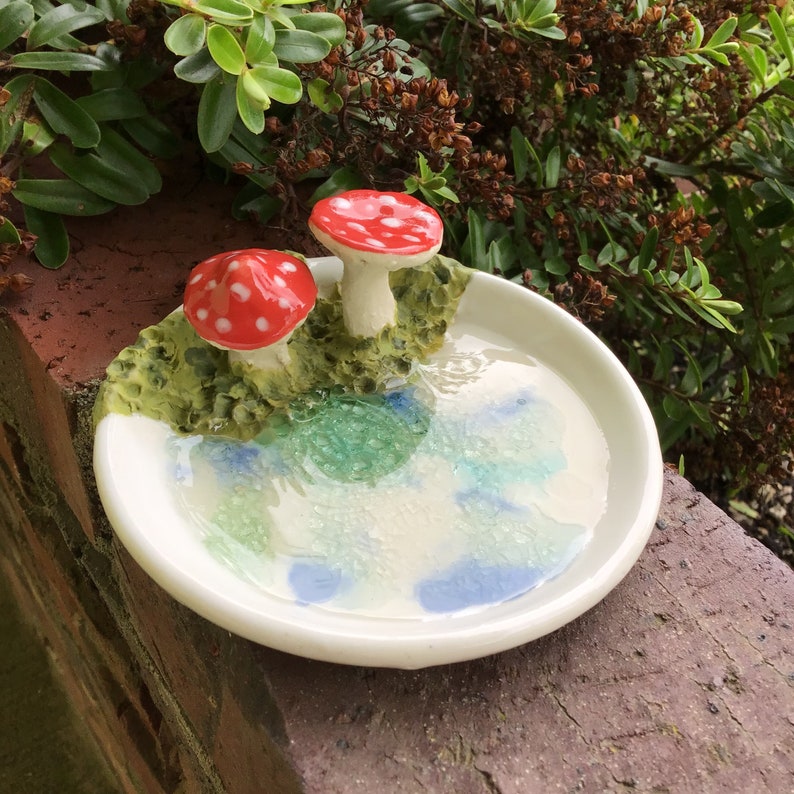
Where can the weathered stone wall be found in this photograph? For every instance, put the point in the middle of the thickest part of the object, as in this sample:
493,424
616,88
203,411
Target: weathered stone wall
681,680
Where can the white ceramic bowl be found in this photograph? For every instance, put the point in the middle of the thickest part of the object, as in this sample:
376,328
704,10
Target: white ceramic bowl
142,511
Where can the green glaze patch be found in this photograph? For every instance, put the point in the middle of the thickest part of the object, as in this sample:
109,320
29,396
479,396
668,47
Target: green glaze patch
173,375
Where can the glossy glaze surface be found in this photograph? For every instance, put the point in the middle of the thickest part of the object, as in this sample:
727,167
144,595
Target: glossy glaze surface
432,616
371,220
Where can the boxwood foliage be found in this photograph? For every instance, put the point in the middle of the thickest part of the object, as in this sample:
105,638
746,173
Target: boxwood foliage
633,161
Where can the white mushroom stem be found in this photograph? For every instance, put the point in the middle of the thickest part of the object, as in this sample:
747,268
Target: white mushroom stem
275,356
368,305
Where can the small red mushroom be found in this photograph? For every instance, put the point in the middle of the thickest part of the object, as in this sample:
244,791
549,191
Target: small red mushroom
373,233
249,302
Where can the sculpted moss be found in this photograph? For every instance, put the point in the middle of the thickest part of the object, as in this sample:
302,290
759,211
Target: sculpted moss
173,375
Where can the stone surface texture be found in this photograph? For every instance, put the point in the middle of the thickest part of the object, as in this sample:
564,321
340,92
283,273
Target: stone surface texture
681,680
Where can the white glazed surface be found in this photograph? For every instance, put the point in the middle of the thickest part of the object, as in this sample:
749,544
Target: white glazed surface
150,524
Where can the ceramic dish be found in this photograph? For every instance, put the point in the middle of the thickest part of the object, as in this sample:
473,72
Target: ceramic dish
499,494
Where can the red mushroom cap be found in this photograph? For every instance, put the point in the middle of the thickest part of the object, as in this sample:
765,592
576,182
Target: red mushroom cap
370,220
244,300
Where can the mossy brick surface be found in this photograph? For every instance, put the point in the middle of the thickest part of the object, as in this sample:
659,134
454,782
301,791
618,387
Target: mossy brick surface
681,680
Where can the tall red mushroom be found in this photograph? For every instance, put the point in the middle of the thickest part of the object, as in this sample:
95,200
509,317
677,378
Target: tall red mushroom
248,302
373,233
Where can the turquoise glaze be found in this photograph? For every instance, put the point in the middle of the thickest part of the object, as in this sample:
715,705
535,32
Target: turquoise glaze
433,498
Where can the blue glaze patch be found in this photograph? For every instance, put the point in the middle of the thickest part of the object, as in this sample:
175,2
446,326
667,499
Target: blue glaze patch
231,460
513,406
313,582
471,583
478,498
404,403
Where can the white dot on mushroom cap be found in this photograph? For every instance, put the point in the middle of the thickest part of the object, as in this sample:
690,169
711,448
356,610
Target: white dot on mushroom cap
395,223
211,284
197,278
240,290
279,282
375,243
425,216
358,227
284,303
202,314
340,204
223,325
287,267
262,324
388,200
234,264
412,238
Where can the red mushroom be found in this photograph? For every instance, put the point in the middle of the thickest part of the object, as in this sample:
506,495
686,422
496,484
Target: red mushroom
248,302
373,233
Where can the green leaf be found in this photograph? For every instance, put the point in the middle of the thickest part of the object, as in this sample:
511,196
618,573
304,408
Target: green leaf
60,62
64,115
785,325
556,265
673,407
216,113
323,97
701,411
9,234
476,240
198,68
714,55
342,179
724,306
260,38
256,91
262,206
549,32
35,138
52,245
447,194
324,24
722,33
225,49
99,176
61,20
120,153
152,135
230,11
112,104
13,112
611,253
648,247
61,196
586,262
15,19
538,11
251,109
553,167
113,9
462,9
280,84
186,35
781,36
670,169
774,215
300,46
518,145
